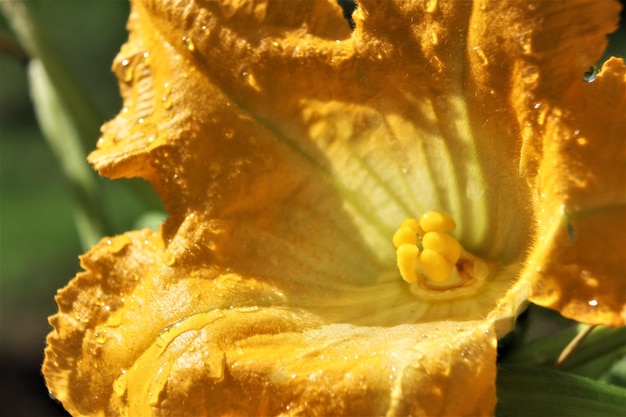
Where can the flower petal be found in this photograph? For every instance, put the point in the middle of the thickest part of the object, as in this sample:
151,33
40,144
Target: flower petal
573,150
125,346
580,267
305,181
331,370
287,149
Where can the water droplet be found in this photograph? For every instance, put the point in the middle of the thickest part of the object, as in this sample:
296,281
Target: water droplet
167,103
118,243
119,385
481,55
115,320
591,74
434,39
589,279
100,338
530,74
437,64
170,259
248,77
582,141
128,70
215,365
593,303
430,6
189,43
524,42
78,317
228,8
229,133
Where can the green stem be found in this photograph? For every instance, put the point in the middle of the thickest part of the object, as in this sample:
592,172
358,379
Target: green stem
67,118
600,342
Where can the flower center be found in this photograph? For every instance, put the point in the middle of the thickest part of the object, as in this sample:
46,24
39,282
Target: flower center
433,261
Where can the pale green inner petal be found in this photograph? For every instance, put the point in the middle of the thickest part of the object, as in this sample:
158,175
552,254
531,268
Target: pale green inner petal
385,168
362,160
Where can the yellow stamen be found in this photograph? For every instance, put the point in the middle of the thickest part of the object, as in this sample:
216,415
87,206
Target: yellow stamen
436,220
444,244
405,236
412,224
427,254
407,257
438,267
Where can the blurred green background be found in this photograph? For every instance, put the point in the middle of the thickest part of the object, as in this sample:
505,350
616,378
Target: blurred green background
39,245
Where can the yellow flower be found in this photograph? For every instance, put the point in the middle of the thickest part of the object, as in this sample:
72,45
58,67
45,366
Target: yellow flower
288,149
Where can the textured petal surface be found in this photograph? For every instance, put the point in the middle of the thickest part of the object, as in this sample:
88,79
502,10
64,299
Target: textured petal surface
573,154
573,151
223,344
579,266
287,149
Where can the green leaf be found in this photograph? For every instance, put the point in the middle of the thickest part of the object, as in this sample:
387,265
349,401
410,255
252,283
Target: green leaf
536,392
602,342
617,374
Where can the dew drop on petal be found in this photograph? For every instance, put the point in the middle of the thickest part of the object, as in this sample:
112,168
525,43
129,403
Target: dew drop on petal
189,43
530,74
128,70
481,55
100,338
119,385
170,259
590,75
524,42
430,6
593,303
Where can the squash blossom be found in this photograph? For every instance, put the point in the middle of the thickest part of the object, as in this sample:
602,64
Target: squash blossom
356,214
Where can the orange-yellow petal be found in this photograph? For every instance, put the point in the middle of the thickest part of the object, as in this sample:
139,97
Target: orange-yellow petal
131,340
579,263
572,144
287,149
